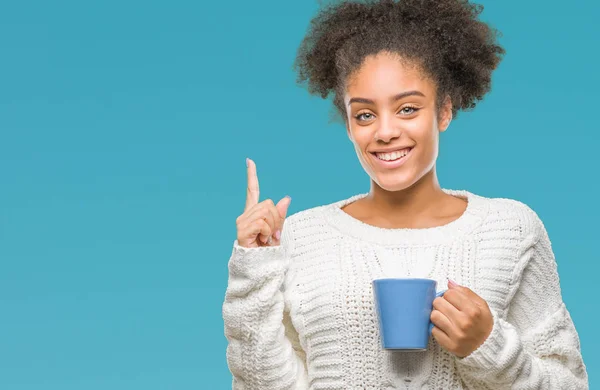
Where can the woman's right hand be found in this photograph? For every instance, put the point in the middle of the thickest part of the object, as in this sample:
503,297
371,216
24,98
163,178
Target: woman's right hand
260,224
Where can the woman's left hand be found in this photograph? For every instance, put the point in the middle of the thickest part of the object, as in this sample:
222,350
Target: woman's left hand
462,319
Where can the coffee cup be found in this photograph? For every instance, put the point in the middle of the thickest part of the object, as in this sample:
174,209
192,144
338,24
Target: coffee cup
404,308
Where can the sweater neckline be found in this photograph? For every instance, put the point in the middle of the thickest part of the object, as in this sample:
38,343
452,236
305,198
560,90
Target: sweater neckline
472,217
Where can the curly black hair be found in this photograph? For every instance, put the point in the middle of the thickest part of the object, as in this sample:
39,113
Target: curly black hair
443,37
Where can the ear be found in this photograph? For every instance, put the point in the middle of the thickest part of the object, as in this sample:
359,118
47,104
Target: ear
445,116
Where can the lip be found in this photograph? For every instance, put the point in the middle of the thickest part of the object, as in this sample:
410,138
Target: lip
392,150
391,164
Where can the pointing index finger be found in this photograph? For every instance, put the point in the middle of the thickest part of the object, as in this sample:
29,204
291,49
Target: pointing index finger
252,194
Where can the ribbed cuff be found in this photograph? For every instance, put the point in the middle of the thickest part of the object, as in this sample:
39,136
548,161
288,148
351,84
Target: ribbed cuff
245,252
259,262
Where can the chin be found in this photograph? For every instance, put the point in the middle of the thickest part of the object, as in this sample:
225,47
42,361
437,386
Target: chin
394,185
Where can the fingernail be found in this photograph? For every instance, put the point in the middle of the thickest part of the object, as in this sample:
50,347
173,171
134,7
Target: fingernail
289,197
278,234
247,162
452,283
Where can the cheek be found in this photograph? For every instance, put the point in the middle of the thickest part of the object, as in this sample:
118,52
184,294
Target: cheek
427,150
362,139
423,132
427,144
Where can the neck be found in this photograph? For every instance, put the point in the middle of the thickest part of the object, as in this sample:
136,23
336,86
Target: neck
419,199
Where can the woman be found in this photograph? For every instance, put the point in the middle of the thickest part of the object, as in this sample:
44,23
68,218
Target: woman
299,310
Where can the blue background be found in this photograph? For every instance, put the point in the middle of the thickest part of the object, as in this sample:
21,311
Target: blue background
124,126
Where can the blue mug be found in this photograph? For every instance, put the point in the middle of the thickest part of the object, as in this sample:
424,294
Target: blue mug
404,308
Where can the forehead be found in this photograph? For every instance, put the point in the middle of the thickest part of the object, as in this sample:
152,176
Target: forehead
385,75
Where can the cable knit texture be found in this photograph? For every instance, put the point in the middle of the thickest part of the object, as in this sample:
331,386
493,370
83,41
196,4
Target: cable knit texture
301,315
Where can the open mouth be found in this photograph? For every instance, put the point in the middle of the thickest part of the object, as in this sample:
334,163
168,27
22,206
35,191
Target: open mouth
392,159
393,156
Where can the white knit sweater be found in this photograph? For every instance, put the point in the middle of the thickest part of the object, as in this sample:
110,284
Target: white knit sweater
301,315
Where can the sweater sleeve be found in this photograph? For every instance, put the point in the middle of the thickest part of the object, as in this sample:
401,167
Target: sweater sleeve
537,346
263,350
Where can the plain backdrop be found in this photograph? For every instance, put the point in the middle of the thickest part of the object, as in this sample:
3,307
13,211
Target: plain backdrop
124,127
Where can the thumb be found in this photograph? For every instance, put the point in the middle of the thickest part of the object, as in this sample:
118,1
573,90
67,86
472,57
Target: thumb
282,206
468,292
473,296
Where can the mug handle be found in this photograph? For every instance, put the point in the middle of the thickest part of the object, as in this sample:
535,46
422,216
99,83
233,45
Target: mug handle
439,294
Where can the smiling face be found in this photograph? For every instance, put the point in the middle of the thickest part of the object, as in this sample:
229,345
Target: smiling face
391,106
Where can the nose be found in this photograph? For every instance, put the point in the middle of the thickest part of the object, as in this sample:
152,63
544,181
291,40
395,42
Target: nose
388,129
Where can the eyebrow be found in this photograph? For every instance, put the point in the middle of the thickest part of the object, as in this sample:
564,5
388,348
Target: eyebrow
392,99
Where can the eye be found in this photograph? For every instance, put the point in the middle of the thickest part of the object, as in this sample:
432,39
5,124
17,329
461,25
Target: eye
361,116
411,109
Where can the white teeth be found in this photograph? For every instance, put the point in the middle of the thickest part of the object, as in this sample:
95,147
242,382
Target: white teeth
392,156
